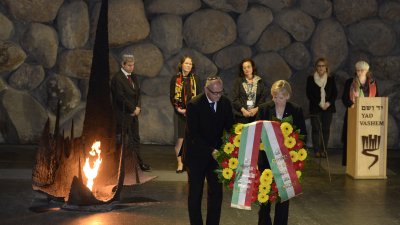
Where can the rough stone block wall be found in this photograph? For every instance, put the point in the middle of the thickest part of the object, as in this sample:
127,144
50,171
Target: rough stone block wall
46,52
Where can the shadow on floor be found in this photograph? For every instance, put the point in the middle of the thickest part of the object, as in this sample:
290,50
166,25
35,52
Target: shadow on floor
339,200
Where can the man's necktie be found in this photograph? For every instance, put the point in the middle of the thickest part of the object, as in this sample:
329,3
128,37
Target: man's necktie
212,106
130,80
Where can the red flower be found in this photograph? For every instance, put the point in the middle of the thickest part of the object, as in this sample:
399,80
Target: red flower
231,184
299,145
299,165
273,197
231,138
225,163
235,152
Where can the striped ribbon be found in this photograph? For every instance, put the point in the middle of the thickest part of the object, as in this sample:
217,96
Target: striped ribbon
279,159
247,165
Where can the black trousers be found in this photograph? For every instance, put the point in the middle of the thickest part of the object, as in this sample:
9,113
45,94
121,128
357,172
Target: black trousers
281,214
344,138
321,123
214,194
281,208
130,129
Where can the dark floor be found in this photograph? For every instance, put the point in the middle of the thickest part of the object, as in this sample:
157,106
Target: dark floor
337,199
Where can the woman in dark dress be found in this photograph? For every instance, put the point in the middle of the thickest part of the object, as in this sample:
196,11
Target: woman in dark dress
278,108
183,87
321,92
248,92
362,85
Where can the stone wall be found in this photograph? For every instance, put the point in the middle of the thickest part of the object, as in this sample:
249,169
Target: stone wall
45,53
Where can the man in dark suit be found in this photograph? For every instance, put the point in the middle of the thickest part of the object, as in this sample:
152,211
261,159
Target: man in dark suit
127,102
208,114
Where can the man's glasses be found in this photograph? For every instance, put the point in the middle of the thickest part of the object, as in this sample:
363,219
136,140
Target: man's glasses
321,65
216,93
213,78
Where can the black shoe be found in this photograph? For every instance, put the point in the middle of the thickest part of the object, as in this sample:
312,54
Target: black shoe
145,167
181,170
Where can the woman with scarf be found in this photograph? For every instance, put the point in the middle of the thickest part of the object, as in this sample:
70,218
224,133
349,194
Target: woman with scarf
362,85
321,92
248,92
183,87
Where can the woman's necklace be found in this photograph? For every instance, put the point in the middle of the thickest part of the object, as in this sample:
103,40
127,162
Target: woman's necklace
279,112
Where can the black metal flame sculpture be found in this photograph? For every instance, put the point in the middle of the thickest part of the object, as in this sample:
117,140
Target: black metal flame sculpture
59,161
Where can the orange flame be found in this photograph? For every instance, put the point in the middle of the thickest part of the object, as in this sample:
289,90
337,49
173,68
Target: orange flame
91,173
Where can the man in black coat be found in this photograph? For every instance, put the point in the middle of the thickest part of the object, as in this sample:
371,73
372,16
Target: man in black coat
208,114
127,102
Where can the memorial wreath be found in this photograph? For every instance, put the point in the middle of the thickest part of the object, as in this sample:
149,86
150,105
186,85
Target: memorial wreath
235,156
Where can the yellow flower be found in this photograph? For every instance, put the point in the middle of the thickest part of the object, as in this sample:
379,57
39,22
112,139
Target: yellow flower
227,173
286,128
264,188
289,142
294,156
302,153
265,180
298,173
267,173
236,141
228,148
233,163
262,147
266,177
238,128
262,198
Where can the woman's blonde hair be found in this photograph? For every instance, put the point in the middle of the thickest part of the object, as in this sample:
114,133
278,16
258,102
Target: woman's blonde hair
281,86
362,65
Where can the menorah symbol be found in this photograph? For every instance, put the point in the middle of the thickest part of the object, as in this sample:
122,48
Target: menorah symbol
370,144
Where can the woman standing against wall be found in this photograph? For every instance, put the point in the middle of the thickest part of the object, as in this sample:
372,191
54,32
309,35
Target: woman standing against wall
248,92
362,85
183,87
321,92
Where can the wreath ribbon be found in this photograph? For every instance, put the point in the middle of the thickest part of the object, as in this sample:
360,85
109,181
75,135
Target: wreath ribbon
278,157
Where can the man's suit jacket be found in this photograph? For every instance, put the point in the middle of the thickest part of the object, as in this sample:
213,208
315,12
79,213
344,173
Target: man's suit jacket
204,129
126,97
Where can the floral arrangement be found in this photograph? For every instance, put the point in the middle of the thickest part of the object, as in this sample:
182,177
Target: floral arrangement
265,187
